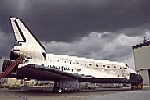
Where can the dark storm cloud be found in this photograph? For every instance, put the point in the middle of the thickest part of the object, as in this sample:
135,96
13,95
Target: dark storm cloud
119,53
6,43
69,20
7,8
132,32
93,47
109,36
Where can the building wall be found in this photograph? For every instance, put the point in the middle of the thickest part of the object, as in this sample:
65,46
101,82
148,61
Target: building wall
1,61
145,76
142,57
141,54
2,80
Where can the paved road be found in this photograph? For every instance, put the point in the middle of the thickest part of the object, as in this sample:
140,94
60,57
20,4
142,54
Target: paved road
128,95
40,95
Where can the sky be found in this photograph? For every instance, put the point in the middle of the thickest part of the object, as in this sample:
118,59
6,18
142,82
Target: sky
95,29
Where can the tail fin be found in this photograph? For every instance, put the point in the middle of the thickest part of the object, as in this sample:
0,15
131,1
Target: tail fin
23,35
28,44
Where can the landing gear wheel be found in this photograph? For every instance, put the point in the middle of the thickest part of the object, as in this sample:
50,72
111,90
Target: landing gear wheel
59,90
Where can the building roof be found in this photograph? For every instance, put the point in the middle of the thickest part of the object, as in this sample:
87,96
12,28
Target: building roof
144,43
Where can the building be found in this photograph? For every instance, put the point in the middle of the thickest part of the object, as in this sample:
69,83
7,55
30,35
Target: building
3,79
141,54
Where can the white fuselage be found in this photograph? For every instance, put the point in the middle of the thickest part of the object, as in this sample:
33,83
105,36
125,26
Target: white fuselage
88,67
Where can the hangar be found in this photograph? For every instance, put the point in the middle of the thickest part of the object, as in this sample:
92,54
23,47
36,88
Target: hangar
141,54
